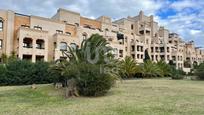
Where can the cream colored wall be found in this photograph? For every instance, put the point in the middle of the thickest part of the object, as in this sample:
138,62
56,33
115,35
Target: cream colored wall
68,16
10,33
51,27
34,34
58,38
3,34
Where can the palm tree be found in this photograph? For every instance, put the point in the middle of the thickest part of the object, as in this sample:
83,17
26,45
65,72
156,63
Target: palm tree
165,69
94,50
150,69
93,53
128,68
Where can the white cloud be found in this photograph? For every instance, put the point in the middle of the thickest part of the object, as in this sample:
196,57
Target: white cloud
194,32
180,5
186,23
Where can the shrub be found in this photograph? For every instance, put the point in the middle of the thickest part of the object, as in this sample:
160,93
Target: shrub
150,70
177,73
177,77
19,72
93,82
128,68
85,65
199,72
41,73
22,72
164,69
3,78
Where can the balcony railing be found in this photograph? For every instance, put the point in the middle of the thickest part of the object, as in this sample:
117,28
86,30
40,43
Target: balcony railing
28,46
40,48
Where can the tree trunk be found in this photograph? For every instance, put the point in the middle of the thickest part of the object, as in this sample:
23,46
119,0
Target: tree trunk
71,89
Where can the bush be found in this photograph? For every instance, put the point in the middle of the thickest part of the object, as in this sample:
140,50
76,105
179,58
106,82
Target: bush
200,72
19,72
150,70
22,72
42,74
93,82
177,73
3,79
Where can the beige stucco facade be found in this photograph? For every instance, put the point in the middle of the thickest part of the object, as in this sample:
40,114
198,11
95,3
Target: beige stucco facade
38,38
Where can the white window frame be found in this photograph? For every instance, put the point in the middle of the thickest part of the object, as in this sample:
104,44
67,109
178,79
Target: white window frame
1,24
1,44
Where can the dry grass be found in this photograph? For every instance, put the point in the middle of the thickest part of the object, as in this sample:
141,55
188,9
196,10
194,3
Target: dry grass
131,97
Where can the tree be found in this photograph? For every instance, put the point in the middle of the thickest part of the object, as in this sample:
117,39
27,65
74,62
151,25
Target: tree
147,57
200,71
82,73
187,64
128,68
165,69
150,69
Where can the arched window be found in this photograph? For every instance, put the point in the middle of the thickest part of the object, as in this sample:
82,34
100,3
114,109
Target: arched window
63,46
73,45
84,36
1,24
40,44
27,43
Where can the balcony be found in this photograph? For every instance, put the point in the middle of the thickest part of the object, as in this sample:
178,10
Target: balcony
40,44
27,42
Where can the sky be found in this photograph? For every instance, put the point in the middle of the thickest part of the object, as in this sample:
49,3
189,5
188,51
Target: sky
185,17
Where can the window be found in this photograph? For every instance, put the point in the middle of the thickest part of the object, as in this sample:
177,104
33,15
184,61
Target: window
152,49
37,27
152,56
77,24
141,32
73,45
40,44
55,45
162,49
25,26
133,56
138,48
27,57
141,48
132,26
39,58
133,48
1,44
59,31
84,36
121,53
68,33
138,56
141,56
168,57
27,43
63,46
1,24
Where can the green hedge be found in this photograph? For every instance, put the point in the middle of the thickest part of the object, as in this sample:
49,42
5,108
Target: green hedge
22,72
200,72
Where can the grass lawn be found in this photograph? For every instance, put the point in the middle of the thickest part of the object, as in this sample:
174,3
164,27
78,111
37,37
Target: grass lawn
131,97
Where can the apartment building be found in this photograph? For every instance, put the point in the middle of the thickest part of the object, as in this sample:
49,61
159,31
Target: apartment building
38,38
